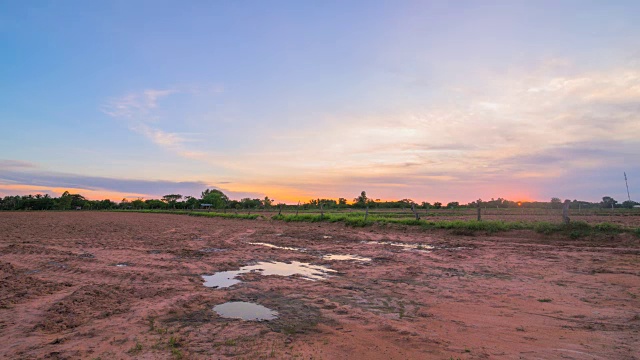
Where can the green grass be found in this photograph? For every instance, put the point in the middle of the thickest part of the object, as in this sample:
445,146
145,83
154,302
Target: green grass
574,230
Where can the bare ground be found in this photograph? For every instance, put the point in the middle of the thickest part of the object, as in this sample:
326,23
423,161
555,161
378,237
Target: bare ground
516,295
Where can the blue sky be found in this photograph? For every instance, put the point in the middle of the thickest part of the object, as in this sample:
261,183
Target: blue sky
428,100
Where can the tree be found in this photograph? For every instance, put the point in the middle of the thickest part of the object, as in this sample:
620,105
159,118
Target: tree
138,203
215,197
171,199
608,202
361,201
342,201
191,202
437,205
629,204
555,202
267,202
453,204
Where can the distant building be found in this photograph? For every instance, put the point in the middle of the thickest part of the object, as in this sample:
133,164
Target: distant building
205,206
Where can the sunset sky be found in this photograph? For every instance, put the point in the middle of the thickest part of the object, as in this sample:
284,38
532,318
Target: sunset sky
427,100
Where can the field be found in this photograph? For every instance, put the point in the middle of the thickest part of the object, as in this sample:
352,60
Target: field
121,285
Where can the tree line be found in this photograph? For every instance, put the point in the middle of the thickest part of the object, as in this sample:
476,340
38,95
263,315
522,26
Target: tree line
216,199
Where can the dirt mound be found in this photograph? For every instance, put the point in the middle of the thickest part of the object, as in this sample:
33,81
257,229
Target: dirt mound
85,304
17,286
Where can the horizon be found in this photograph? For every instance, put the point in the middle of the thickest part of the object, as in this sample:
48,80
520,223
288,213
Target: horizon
425,100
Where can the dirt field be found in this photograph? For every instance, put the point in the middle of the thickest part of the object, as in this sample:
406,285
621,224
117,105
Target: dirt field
93,285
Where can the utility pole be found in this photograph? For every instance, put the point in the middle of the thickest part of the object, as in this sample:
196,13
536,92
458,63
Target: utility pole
626,183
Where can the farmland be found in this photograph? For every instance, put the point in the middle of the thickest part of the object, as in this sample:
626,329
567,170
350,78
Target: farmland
119,285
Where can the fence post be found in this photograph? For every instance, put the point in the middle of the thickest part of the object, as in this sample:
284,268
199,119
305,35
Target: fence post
479,210
565,212
413,208
366,214
297,208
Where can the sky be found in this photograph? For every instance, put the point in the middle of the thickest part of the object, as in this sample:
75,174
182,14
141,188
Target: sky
426,100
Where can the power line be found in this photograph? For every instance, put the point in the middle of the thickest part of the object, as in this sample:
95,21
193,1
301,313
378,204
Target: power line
626,183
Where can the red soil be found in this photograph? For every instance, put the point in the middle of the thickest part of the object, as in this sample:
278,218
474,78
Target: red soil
516,295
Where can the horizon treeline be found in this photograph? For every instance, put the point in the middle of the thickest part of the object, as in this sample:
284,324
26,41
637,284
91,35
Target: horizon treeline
216,199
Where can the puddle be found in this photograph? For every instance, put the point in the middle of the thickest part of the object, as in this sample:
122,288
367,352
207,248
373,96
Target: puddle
154,252
327,237
86,256
419,247
245,311
307,271
277,247
221,279
123,264
57,264
211,250
345,257
325,257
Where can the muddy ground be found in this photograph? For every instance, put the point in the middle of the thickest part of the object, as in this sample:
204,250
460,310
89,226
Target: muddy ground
517,295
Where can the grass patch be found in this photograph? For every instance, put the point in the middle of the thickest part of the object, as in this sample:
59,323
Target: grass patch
136,349
546,300
573,230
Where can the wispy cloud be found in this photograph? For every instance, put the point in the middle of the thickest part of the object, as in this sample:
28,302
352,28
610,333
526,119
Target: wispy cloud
16,164
139,112
136,106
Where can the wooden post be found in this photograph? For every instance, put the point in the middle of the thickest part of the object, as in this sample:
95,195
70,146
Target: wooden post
366,213
413,208
297,208
479,210
280,210
565,212
321,211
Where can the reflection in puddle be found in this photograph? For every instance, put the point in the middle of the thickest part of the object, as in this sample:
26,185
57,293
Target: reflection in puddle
245,311
306,271
221,279
345,257
276,246
419,247
212,250
123,264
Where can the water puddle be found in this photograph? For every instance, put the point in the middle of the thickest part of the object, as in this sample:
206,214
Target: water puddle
345,257
123,264
325,257
222,279
419,247
212,250
245,311
277,247
307,271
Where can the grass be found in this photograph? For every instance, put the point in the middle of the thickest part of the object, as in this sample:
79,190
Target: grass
574,230
545,300
137,348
